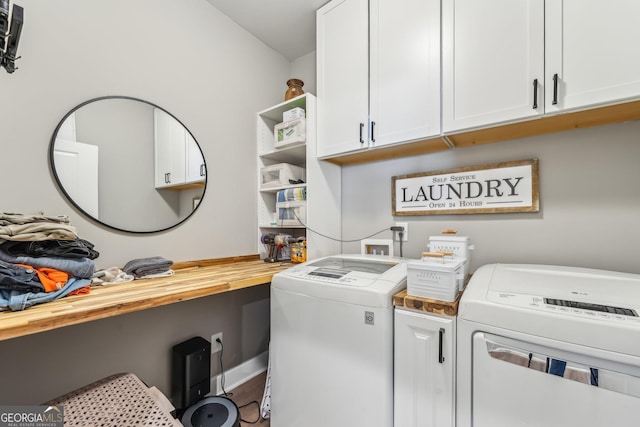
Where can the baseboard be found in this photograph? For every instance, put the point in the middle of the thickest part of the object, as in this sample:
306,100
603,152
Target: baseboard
240,374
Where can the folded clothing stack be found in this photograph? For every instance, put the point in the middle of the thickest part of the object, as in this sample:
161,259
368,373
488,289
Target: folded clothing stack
41,259
76,248
35,227
155,266
297,194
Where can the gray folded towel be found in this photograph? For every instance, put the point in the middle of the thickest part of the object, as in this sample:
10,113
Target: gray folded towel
144,266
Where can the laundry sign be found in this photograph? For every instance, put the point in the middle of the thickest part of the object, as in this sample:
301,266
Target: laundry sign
493,188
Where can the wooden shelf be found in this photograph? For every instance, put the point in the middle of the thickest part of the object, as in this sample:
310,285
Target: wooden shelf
610,114
192,280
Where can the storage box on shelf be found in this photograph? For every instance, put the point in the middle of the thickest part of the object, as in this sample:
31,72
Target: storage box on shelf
437,276
288,170
291,213
280,175
289,133
460,247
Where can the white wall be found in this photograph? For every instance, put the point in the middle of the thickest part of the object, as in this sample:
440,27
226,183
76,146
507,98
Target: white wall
589,201
304,68
211,74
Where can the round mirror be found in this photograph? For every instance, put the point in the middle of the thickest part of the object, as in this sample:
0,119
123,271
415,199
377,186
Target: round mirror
128,164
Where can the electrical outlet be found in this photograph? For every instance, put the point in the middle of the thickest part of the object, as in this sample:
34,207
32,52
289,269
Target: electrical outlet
216,346
405,233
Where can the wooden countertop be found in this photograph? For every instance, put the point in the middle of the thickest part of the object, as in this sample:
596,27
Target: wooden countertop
192,280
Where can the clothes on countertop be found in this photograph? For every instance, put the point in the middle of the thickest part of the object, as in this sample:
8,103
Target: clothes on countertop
17,300
41,259
35,227
51,279
77,248
18,278
146,266
8,218
82,268
80,291
165,273
110,276
37,231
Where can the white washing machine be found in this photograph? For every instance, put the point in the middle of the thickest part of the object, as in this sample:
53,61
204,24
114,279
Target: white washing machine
332,342
548,346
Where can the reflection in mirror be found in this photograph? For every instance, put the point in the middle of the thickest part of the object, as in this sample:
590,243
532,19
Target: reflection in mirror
128,164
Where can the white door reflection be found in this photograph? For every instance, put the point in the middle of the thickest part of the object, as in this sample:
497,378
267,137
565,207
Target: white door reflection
77,168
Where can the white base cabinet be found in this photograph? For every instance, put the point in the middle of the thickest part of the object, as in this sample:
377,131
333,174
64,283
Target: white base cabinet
424,369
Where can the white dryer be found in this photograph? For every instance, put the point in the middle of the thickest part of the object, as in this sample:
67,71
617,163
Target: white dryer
548,346
331,347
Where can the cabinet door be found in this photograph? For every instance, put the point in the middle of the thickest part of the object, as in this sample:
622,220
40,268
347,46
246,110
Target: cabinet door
195,169
343,82
493,53
169,150
404,70
424,360
593,48
162,147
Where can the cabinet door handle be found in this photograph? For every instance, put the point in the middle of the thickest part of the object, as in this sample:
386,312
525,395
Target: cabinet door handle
202,173
440,339
167,178
555,89
373,135
535,94
361,129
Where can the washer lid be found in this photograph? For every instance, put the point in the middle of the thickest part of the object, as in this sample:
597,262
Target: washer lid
369,280
590,307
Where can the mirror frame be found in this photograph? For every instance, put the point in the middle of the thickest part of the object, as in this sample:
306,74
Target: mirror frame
52,167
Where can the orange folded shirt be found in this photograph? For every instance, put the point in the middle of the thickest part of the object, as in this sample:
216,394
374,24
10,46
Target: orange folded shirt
51,279
80,291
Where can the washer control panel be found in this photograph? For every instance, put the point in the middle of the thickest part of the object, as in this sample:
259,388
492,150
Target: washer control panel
569,307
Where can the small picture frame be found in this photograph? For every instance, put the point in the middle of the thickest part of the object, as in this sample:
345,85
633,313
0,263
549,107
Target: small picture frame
376,247
196,202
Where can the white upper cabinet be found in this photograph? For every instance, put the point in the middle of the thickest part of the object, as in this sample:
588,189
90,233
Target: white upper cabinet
404,70
378,73
493,61
593,47
510,60
343,76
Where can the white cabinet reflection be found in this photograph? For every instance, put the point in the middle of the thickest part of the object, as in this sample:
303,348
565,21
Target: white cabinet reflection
178,159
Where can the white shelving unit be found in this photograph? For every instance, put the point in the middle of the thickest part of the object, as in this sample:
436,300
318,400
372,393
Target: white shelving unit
323,222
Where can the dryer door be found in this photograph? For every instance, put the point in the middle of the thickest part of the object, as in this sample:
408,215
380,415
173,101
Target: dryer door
518,383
